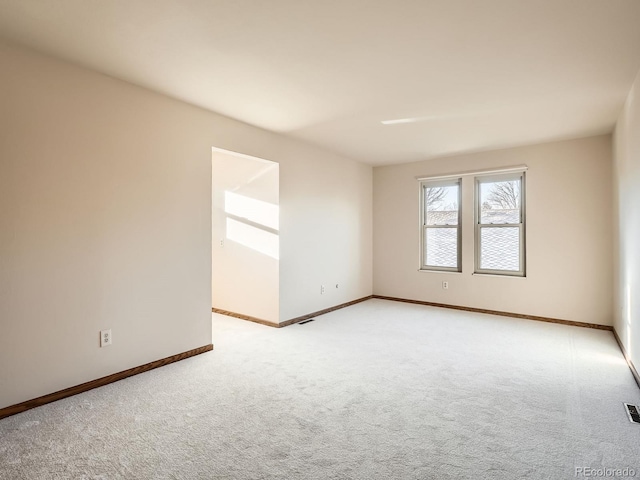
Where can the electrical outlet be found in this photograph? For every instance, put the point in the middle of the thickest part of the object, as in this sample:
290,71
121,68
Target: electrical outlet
445,285
321,289
105,338
222,242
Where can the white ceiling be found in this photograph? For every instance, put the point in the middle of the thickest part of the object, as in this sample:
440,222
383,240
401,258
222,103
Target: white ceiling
479,74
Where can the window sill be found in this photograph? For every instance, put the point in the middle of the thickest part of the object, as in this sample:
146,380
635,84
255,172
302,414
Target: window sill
439,271
522,277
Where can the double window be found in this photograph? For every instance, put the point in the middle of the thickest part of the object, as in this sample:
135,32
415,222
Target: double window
499,224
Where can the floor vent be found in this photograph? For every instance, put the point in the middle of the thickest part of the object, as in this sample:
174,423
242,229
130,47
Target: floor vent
633,413
306,321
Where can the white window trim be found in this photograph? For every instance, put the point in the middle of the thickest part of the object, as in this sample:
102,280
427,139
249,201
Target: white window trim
443,182
474,173
502,176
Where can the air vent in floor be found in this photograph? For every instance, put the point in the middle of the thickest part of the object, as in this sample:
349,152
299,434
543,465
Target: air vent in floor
633,412
306,321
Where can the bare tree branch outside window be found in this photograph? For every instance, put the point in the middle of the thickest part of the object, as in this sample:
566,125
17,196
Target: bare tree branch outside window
435,195
504,195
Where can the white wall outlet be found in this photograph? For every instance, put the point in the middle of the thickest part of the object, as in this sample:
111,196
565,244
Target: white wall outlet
105,338
321,289
222,242
445,285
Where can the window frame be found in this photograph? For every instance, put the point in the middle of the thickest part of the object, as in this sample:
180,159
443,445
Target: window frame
424,184
502,177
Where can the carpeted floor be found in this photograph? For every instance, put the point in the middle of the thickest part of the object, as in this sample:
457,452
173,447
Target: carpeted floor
379,390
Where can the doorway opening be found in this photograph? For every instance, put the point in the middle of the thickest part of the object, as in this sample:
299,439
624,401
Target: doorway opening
245,235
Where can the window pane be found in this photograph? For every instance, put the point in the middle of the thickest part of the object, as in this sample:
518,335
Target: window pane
500,248
441,247
442,205
500,202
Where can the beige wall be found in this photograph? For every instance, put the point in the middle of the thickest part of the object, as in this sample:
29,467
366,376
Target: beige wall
325,235
245,279
569,241
626,194
105,222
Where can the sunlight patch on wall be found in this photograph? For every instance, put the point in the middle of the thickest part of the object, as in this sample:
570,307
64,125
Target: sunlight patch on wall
253,223
256,211
254,238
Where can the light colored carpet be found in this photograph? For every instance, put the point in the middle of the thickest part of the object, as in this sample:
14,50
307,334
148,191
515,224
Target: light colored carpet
379,390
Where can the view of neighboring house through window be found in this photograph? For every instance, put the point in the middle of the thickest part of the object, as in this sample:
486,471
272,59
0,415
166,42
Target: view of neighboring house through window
499,230
441,232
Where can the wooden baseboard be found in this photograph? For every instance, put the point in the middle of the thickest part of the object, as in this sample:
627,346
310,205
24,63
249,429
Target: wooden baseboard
68,392
632,367
241,316
497,312
322,312
286,323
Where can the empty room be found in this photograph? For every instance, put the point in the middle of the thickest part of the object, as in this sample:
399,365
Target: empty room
319,240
